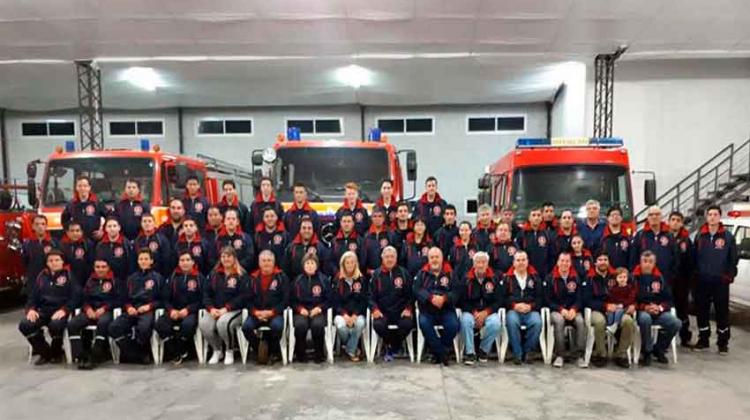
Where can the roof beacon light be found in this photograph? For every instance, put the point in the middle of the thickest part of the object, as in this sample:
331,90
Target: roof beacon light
530,143
145,145
374,134
293,134
70,146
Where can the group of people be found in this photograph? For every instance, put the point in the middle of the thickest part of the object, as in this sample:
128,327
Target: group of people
395,261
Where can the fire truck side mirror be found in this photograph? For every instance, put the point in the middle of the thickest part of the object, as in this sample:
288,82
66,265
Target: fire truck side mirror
484,182
411,165
31,191
257,175
31,170
257,158
649,192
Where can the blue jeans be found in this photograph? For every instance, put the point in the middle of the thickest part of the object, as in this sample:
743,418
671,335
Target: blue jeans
491,329
533,322
448,320
669,324
350,335
615,317
251,324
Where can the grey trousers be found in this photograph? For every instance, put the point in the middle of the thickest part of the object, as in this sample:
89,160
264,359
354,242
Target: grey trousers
579,338
222,330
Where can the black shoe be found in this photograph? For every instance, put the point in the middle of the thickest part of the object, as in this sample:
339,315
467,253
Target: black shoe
436,360
528,359
723,349
85,363
701,345
622,362
319,358
42,360
470,359
599,361
145,359
481,356
446,362
646,359
180,359
661,358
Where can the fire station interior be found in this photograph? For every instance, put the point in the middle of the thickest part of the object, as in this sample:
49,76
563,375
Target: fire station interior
507,103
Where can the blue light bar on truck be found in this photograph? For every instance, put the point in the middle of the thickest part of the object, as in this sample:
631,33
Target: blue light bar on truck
531,143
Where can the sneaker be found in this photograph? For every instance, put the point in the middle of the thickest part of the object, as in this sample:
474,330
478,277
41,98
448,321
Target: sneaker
558,363
646,359
229,358
701,345
179,359
599,361
215,358
723,350
517,361
353,358
661,358
470,359
622,362
482,356
581,362
529,358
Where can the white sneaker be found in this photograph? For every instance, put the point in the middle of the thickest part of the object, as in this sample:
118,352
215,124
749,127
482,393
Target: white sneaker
582,363
215,358
558,363
229,357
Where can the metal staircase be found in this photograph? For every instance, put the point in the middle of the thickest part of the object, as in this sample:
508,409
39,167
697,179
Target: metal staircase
722,179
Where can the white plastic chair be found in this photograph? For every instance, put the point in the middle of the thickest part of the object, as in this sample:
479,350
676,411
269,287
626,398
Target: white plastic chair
200,349
498,339
375,340
244,344
113,349
364,339
611,331
505,338
65,341
154,340
654,336
438,329
327,336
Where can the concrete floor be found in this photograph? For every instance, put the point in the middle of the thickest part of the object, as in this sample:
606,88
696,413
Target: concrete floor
701,386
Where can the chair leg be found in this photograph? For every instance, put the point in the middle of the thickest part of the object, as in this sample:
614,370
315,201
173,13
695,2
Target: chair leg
155,343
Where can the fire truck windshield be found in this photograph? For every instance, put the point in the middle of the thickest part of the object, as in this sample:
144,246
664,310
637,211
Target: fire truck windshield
108,176
570,186
325,170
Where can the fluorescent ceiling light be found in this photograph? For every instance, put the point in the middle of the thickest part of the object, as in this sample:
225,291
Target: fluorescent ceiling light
354,76
145,78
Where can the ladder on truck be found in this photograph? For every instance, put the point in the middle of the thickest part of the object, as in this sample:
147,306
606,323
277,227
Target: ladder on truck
722,179
227,170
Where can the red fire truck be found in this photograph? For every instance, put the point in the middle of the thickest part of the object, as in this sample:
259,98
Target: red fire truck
565,171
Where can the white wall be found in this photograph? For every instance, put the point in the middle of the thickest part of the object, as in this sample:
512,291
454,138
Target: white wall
455,157
569,109
675,114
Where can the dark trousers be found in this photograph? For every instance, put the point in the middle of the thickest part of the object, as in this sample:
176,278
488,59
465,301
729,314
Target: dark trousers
252,323
448,319
177,334
34,334
316,325
75,329
132,345
393,337
717,293
681,294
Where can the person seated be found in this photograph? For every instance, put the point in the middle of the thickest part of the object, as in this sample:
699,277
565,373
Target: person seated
437,293
523,303
565,309
391,302
620,305
483,294
593,296
182,295
654,301
309,299
55,294
268,298
350,294
101,295
225,293
141,299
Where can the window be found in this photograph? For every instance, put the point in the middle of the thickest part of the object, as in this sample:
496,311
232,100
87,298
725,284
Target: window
220,127
317,126
496,124
48,128
136,128
417,125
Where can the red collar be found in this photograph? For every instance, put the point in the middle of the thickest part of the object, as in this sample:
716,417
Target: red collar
704,229
488,273
381,203
142,234
352,235
383,269
409,225
411,240
305,207
610,271
109,276
66,239
183,237
683,233
298,240
552,223
655,272
193,272
261,227
235,201
529,271
271,198
357,205
198,195
224,232
608,232
491,227
663,228
423,199
527,227
77,198
584,253
457,242
497,241
445,270
373,229
556,273
47,237
257,272
119,240
222,270
573,231
137,199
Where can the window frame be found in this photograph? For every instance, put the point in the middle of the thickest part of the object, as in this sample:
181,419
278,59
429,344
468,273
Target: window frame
495,117
342,132
405,118
136,121
224,120
47,122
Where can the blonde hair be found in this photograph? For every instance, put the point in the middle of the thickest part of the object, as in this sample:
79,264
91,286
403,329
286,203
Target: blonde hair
349,254
351,186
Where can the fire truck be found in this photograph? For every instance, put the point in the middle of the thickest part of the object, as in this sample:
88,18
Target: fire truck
565,171
15,225
324,166
161,175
